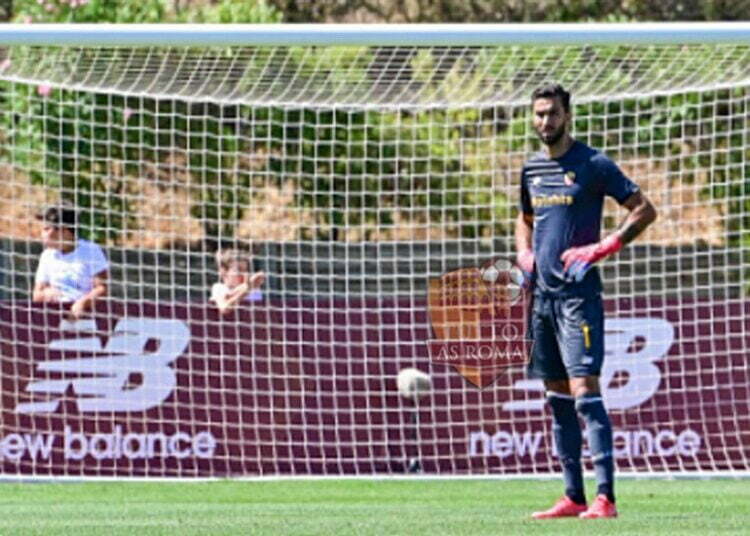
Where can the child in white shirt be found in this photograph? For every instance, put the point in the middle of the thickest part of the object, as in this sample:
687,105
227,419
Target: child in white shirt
71,270
236,285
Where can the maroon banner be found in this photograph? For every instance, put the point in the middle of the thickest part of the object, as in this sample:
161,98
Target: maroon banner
310,388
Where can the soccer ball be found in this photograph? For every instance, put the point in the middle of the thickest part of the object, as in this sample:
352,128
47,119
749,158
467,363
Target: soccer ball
413,383
502,271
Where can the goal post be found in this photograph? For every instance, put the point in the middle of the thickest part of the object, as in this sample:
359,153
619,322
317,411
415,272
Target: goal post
371,172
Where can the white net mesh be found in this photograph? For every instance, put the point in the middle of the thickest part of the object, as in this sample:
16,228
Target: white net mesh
373,186
382,77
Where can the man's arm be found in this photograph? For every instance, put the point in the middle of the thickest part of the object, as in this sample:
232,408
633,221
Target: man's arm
524,246
641,214
524,231
86,302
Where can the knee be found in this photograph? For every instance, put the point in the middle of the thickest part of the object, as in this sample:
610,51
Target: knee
563,406
591,407
587,386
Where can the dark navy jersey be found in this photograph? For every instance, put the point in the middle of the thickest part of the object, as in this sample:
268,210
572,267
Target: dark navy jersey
566,196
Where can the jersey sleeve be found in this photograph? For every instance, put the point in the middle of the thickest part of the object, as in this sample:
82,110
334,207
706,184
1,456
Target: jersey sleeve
616,184
525,199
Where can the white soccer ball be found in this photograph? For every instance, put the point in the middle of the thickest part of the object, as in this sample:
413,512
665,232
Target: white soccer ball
413,383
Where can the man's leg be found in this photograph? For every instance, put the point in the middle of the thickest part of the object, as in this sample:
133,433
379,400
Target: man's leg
567,432
589,404
546,363
581,327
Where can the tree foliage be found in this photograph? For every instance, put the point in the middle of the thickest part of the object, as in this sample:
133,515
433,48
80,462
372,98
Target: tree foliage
430,11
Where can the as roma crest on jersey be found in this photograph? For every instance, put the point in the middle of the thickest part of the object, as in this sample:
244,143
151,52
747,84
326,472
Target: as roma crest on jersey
569,178
478,318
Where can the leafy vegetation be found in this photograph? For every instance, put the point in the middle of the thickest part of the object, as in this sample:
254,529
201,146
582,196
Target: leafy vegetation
430,160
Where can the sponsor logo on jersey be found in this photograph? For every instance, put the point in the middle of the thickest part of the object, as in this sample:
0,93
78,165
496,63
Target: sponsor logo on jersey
551,200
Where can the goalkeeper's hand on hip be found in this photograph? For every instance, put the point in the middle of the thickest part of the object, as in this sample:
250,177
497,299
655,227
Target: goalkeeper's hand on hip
579,260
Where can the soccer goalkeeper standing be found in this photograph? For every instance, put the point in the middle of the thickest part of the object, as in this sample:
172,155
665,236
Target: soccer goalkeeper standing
558,244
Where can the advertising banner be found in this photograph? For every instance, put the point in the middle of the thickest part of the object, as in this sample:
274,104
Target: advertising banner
147,389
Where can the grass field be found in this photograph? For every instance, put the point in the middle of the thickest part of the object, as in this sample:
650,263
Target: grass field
383,507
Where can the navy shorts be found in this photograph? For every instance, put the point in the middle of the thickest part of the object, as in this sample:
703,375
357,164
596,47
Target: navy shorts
568,337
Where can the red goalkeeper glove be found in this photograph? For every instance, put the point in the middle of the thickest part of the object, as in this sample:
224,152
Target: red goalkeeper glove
578,261
525,260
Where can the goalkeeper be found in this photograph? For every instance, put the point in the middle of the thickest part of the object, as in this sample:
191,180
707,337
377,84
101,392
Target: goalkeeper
558,245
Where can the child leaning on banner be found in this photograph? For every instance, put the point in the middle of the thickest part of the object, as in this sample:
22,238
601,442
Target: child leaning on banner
71,270
236,284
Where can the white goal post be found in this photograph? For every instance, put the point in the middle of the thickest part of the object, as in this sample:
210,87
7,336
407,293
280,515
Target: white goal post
371,172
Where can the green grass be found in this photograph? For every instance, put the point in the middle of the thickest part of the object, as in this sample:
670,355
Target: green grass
343,507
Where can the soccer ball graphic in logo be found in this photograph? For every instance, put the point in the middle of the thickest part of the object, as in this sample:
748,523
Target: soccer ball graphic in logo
504,272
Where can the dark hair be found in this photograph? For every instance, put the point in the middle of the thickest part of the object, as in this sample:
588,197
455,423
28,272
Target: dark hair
60,216
550,91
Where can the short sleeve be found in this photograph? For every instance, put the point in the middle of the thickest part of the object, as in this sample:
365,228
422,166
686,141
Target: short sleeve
616,184
98,262
218,292
525,200
42,271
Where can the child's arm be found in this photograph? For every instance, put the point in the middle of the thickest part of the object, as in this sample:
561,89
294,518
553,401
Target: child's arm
230,300
86,303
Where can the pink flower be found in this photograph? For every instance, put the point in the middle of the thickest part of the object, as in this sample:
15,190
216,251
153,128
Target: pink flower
28,19
5,65
126,113
49,7
43,90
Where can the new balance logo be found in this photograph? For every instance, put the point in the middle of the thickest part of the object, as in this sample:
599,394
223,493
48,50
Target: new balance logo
141,348
632,347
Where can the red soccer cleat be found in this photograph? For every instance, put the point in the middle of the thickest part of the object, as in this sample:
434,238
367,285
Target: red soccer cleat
562,508
600,508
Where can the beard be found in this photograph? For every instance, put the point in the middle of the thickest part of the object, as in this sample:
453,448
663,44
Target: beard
553,137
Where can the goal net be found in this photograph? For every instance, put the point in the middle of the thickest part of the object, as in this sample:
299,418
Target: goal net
375,186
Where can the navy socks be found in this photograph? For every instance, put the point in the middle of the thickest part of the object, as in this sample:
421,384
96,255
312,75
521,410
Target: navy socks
591,408
567,433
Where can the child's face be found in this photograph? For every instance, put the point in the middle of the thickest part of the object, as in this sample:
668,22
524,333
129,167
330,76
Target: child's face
56,237
235,274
